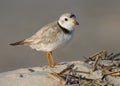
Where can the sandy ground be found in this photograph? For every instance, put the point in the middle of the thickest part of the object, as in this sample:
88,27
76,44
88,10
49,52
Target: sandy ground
38,76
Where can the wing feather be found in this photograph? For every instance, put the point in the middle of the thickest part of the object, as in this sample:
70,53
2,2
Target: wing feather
48,34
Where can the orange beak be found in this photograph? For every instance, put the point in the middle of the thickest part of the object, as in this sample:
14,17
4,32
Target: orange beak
75,22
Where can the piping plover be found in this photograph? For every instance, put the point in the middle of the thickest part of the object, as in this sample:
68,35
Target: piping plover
51,36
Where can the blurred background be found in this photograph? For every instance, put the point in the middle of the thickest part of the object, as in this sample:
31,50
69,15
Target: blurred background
99,29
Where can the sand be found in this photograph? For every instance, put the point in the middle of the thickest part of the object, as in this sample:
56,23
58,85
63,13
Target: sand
38,76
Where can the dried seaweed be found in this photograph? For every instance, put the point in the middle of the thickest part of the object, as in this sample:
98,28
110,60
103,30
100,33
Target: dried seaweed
70,76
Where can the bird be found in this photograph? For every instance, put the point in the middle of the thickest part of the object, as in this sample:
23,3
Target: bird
52,36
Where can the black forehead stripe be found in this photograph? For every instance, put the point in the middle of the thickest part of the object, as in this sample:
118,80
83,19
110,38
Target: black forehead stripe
72,15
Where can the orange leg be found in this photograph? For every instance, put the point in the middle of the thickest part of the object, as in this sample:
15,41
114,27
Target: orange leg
50,59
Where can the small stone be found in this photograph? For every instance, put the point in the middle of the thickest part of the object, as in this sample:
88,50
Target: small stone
31,70
21,76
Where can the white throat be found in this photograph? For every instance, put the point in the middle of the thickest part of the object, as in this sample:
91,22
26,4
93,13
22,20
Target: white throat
67,26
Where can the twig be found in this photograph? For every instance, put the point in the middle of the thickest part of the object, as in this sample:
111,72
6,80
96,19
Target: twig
95,63
111,73
103,52
83,72
67,68
115,55
56,77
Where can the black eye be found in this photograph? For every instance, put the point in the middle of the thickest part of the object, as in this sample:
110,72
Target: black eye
66,19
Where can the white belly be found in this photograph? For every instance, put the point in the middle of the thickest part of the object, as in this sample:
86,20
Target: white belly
51,46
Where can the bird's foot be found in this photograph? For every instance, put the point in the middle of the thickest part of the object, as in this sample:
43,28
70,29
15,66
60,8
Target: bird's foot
51,66
54,65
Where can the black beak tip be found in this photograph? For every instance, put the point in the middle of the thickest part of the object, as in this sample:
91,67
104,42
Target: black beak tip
77,23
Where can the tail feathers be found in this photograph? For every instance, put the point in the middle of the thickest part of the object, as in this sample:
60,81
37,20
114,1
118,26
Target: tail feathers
18,43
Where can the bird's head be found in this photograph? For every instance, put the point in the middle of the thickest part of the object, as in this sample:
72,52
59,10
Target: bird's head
68,21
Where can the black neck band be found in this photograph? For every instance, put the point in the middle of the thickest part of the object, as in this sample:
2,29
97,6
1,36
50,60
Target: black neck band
64,29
